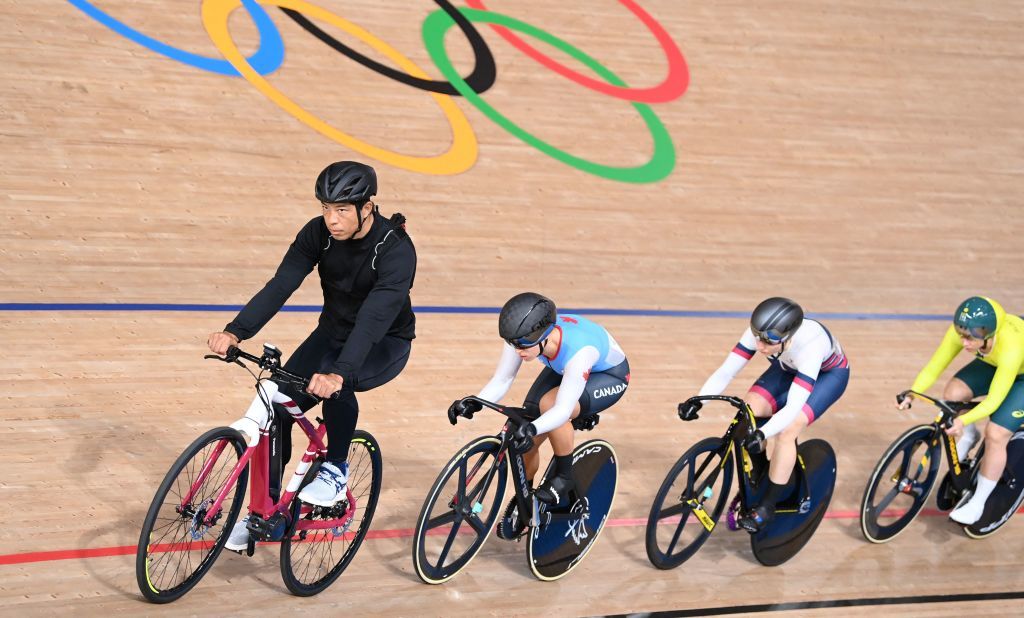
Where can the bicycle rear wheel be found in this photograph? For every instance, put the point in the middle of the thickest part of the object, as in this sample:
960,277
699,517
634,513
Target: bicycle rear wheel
900,484
311,560
559,546
1008,495
175,548
462,494
694,483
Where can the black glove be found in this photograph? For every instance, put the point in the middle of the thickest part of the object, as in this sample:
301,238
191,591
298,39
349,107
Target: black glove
688,409
462,407
754,443
522,438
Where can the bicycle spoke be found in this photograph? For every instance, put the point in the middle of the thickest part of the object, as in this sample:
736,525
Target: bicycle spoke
448,544
677,534
886,500
441,520
676,509
476,524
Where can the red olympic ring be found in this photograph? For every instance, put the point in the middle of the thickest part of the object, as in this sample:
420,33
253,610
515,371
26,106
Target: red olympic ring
673,86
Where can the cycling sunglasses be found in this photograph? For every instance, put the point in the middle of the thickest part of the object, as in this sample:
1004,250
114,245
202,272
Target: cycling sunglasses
770,336
523,343
976,332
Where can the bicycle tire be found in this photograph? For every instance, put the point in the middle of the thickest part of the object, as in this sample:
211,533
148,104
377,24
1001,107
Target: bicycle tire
157,544
668,558
906,445
437,571
365,475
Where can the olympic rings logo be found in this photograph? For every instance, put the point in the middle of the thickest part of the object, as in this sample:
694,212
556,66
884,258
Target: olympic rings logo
463,151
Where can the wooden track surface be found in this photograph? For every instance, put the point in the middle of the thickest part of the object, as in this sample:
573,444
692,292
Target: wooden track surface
859,157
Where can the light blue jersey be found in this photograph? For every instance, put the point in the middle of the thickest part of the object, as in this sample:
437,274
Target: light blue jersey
578,333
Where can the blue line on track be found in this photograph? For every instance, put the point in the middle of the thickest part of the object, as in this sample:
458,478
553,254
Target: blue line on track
646,313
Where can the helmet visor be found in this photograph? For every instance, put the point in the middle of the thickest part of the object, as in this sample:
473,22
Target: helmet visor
529,341
771,336
973,332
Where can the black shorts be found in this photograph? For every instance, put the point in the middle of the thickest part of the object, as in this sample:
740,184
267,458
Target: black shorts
604,389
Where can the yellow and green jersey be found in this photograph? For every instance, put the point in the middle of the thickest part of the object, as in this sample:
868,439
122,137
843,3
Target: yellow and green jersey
1007,356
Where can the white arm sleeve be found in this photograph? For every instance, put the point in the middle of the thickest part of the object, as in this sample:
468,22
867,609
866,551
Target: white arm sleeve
737,360
574,380
809,361
504,375
721,378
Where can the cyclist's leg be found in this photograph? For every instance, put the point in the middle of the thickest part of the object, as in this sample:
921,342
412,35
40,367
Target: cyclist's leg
383,363
765,397
1007,419
828,388
546,382
603,389
971,381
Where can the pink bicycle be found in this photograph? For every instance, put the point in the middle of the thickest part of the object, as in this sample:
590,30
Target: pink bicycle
199,500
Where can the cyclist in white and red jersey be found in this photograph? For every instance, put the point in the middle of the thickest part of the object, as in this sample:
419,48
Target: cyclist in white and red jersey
808,373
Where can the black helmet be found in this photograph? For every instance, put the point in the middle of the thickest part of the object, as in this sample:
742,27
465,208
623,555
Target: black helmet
346,182
526,319
776,319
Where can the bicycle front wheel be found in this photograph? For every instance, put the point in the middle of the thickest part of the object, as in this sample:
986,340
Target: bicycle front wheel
459,511
900,484
698,485
178,545
312,559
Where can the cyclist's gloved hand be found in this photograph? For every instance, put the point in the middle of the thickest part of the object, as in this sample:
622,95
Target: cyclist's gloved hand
522,438
464,408
754,443
688,409
905,402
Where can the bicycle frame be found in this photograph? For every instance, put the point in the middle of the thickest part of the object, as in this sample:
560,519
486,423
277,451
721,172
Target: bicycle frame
948,411
526,501
748,467
262,504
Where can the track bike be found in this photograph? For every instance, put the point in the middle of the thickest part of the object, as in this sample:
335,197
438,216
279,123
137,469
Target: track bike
697,488
904,477
200,498
465,501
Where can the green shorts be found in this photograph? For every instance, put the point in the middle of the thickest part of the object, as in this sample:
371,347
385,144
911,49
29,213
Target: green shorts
977,375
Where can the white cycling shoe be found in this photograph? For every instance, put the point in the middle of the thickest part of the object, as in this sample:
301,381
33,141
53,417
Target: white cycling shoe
329,486
238,540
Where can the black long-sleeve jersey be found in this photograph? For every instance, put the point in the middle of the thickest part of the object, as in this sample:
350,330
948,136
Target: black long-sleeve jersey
365,281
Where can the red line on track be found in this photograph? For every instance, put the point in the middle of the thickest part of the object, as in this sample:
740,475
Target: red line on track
396,533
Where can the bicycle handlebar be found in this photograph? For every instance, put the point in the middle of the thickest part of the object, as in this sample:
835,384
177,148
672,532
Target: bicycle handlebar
519,416
270,361
949,409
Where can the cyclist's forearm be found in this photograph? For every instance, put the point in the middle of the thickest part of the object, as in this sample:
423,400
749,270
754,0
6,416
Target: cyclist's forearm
504,375
721,378
943,355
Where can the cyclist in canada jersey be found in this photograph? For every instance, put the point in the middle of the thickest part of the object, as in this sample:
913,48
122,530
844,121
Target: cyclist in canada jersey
982,328
807,373
585,372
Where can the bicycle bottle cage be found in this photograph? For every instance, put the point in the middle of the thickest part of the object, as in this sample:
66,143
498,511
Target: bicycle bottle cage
586,423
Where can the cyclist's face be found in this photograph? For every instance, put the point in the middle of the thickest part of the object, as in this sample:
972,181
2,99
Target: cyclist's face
342,219
528,354
768,349
971,344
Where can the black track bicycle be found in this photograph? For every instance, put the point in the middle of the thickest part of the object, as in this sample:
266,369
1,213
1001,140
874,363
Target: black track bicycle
696,491
904,477
465,502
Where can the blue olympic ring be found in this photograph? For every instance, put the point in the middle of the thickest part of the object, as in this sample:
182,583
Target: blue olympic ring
266,60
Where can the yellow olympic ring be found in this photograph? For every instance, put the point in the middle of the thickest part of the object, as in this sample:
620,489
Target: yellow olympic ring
459,157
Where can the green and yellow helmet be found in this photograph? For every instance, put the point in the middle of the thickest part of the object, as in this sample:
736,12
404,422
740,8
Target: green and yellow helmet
978,317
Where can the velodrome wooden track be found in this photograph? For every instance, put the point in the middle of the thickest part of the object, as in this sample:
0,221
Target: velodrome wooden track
863,157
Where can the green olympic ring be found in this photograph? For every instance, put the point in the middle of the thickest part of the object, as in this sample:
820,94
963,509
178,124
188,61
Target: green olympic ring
662,160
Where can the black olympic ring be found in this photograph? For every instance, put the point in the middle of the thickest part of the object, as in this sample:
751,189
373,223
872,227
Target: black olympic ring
480,80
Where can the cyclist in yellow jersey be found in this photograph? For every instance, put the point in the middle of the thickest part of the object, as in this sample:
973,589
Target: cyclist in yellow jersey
982,327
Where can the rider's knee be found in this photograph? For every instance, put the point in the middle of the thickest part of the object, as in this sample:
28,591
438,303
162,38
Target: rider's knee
957,390
997,434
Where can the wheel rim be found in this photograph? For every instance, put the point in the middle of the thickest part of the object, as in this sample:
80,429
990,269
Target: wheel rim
315,558
459,513
674,532
900,486
179,546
